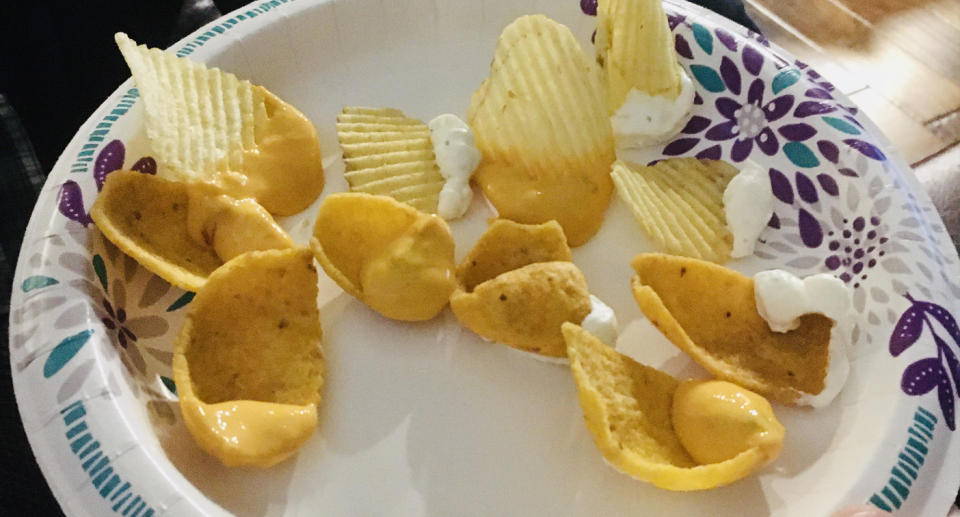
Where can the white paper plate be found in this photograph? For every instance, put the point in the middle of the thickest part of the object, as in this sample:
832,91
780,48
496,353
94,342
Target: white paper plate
428,419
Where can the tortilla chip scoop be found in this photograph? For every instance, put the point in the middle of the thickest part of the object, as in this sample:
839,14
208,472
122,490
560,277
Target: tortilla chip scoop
247,363
709,312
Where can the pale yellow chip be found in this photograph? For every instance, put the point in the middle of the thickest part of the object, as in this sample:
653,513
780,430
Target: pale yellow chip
506,246
248,362
389,154
151,219
206,125
541,124
679,204
635,50
525,307
627,408
710,312
389,255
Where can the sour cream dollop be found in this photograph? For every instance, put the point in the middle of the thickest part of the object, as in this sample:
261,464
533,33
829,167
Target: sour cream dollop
782,298
601,321
644,120
457,157
748,206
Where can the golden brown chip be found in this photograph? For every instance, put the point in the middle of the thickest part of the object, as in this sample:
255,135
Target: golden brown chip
679,204
389,255
247,361
710,313
542,126
628,410
525,307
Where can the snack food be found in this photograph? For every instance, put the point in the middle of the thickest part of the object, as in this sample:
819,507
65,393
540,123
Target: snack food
678,203
177,230
710,313
642,419
247,361
208,126
517,286
541,124
392,257
387,153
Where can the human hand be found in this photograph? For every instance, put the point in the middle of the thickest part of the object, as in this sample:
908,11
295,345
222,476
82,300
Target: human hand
861,510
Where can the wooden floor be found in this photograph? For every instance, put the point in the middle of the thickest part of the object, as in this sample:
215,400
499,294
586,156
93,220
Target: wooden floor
898,60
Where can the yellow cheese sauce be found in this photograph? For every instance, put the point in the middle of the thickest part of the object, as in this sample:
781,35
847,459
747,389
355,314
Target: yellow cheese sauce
412,278
232,226
717,420
283,172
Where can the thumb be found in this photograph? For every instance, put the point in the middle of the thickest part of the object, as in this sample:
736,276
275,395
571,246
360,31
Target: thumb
861,511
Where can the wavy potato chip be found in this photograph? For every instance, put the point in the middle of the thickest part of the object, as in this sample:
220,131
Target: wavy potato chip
397,260
180,232
387,153
247,361
506,246
206,125
710,313
628,408
678,203
542,127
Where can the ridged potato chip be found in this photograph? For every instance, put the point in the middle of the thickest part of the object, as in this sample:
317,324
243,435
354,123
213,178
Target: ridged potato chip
518,284
710,312
628,409
635,50
397,260
542,127
247,361
387,153
151,220
679,204
209,126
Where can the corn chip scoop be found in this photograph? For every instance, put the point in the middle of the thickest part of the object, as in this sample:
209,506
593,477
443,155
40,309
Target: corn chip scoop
392,257
518,285
541,125
643,421
179,231
387,153
710,313
247,361
635,50
678,203
206,125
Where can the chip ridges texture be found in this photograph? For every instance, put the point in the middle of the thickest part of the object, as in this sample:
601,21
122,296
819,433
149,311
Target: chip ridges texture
679,204
541,124
387,153
635,50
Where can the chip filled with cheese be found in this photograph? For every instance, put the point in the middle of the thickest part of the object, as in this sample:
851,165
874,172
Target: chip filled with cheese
518,285
248,363
181,232
541,125
206,125
391,256
689,435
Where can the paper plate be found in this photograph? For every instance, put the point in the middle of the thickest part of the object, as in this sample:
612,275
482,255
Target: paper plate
428,419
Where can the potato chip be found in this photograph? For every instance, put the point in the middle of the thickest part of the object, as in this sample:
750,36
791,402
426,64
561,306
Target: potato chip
635,50
525,307
206,125
180,232
710,313
247,361
389,154
392,257
506,246
627,407
542,126
679,204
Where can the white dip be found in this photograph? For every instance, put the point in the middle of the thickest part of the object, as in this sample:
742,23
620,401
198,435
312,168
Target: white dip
782,298
457,156
644,120
748,206
601,322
